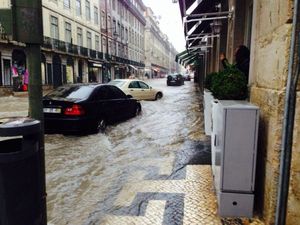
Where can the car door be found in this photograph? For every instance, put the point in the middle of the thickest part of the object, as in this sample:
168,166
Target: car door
146,91
122,105
106,104
135,90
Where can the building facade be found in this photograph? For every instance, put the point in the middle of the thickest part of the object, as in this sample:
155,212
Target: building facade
88,41
265,27
158,54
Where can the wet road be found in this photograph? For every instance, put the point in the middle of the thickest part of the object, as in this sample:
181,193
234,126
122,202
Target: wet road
86,174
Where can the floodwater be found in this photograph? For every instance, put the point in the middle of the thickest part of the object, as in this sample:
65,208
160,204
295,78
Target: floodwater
85,174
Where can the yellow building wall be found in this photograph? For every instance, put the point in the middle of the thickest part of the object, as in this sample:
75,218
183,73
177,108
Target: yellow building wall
269,68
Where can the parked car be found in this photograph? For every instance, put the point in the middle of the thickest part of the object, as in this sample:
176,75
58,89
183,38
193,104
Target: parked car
137,89
175,79
187,77
86,108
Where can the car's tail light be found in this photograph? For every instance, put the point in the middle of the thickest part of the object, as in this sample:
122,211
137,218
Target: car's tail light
75,110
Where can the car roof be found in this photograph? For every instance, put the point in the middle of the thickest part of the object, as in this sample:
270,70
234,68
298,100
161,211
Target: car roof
127,80
85,84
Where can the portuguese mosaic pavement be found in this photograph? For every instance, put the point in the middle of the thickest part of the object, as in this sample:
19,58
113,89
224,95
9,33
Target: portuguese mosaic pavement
182,195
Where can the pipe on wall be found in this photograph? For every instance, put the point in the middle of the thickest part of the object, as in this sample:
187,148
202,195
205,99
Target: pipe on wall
288,120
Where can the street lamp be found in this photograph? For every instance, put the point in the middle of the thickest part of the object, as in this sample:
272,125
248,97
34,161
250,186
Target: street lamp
216,26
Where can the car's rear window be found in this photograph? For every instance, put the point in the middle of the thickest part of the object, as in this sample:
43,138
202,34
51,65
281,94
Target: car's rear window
71,92
118,83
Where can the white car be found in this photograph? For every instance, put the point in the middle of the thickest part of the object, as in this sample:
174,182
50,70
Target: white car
137,89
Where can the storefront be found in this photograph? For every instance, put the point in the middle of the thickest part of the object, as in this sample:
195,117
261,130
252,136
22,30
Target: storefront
95,71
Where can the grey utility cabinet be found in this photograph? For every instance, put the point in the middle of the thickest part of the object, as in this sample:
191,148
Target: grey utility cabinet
234,146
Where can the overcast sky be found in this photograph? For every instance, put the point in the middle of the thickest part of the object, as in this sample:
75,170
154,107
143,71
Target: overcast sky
170,22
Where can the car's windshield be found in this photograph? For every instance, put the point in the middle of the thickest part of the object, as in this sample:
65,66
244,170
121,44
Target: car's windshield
118,83
71,92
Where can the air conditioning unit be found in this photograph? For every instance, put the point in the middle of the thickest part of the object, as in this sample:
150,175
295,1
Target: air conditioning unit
234,143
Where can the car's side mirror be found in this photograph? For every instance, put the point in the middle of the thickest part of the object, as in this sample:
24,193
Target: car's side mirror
129,96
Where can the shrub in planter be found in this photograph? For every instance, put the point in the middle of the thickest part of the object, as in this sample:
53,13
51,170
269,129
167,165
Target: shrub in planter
209,79
230,84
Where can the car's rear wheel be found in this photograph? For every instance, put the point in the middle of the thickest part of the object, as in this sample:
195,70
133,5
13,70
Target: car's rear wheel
101,125
158,96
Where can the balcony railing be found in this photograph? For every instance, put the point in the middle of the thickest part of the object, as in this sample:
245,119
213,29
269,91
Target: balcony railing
92,53
83,51
99,55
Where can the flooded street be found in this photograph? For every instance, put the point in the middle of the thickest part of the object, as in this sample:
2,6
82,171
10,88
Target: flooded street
87,176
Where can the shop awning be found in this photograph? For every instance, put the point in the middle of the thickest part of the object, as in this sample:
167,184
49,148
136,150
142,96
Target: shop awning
197,17
187,56
93,63
133,67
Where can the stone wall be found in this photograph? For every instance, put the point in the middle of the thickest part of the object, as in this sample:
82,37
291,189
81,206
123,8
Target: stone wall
269,69
294,192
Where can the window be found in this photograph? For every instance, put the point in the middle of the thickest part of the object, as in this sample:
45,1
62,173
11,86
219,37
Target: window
143,85
119,28
72,92
114,4
114,26
104,44
108,23
68,32
97,42
96,15
134,84
79,36
122,33
109,47
103,19
67,4
54,27
88,10
102,93
89,39
115,93
78,7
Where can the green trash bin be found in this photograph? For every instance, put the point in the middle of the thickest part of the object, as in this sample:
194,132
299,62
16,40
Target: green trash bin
20,182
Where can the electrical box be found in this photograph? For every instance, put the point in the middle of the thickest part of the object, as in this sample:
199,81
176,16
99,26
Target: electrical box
234,147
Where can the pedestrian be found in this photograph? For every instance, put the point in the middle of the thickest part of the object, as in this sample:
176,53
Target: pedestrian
242,60
26,80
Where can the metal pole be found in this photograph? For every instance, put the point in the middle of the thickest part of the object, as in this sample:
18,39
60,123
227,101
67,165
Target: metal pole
288,122
35,111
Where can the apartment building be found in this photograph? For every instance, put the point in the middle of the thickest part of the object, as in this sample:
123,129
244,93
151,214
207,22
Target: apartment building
92,41
157,48
125,35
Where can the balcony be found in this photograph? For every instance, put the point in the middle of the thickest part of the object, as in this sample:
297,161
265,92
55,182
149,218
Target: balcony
83,51
73,49
99,55
47,43
55,44
58,45
92,53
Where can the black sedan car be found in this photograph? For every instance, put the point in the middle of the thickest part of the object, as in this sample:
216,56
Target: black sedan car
175,79
86,108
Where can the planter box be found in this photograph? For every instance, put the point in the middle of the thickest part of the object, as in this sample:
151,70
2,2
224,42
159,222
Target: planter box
208,98
233,144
